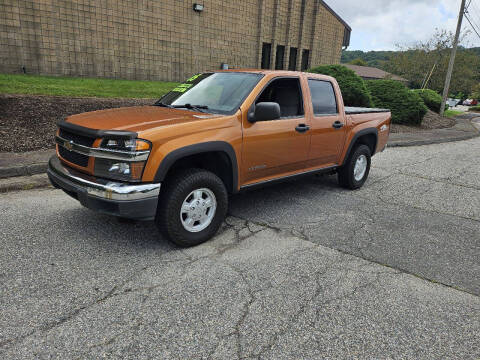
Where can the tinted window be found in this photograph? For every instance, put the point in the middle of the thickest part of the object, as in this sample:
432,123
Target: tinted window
323,97
222,92
287,93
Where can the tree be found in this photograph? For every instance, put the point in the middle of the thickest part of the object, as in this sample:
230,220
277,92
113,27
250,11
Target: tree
406,106
415,62
476,92
359,62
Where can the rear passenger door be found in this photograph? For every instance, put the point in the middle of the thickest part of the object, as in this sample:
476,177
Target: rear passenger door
327,125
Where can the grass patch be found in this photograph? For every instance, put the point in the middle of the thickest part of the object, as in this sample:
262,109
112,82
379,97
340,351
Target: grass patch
451,113
69,86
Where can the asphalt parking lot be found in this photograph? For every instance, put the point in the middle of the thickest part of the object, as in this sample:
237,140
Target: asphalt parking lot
300,270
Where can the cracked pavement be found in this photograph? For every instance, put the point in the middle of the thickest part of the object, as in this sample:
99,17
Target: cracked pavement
301,270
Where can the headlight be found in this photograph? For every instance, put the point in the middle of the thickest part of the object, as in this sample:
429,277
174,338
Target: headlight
129,169
126,145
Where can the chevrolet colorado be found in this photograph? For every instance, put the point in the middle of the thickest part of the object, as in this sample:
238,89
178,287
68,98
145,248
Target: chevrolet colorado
217,133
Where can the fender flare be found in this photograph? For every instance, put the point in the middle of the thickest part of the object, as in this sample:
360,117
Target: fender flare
177,154
359,134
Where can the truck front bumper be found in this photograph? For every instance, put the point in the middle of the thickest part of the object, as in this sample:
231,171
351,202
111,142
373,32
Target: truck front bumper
133,201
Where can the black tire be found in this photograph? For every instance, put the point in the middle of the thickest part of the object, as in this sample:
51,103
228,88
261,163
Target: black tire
172,195
346,176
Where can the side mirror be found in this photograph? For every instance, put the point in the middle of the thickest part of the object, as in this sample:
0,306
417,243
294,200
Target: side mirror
265,111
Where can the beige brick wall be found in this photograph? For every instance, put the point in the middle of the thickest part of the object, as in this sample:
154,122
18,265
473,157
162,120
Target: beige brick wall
158,39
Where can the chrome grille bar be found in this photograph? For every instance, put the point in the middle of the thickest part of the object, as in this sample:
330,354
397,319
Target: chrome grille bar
101,152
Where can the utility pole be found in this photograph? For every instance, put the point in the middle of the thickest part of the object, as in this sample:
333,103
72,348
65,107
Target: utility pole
452,58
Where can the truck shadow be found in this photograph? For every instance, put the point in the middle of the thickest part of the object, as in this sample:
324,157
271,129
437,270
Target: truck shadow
109,232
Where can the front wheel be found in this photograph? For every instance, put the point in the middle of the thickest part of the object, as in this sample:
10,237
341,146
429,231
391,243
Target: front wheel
191,207
354,173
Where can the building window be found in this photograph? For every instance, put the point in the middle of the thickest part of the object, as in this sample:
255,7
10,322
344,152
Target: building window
279,57
305,59
292,60
266,52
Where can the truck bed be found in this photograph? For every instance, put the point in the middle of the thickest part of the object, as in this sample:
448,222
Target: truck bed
349,110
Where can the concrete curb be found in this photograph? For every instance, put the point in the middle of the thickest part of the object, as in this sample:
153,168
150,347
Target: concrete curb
24,183
431,141
24,164
22,170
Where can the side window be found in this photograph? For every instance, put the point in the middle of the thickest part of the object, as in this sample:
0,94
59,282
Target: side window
287,93
323,97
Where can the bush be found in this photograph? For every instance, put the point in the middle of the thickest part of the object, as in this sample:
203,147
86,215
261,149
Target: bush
354,91
406,106
431,98
474,108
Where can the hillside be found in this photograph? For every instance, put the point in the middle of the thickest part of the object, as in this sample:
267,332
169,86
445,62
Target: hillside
378,58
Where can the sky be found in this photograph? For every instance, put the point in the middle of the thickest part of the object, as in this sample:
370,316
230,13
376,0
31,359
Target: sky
381,24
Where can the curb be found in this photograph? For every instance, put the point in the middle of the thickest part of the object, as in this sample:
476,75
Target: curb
25,170
432,141
24,183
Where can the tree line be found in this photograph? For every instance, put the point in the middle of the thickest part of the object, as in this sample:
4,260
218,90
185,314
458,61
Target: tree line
425,64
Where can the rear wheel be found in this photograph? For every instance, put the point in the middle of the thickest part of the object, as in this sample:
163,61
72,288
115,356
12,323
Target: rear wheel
354,173
192,205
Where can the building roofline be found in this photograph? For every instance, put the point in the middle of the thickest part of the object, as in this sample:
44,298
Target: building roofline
336,15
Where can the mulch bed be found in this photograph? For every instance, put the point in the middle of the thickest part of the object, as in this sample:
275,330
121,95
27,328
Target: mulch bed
29,122
431,121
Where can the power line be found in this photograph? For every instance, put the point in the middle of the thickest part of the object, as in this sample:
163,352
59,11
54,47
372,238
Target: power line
475,14
472,17
473,27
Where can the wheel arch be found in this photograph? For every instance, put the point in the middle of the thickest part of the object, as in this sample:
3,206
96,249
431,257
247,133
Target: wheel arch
367,137
216,156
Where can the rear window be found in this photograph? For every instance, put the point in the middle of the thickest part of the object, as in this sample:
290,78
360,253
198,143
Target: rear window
323,97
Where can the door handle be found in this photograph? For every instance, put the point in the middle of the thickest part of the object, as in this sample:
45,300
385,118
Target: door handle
301,128
337,124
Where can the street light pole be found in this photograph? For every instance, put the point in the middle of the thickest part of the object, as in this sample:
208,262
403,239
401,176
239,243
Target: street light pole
452,58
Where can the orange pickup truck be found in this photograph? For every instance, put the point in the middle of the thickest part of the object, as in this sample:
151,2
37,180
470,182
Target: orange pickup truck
216,134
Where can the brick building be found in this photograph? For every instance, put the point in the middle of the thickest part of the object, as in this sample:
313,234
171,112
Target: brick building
166,39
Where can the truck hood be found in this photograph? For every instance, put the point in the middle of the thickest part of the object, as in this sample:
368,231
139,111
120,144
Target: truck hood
136,118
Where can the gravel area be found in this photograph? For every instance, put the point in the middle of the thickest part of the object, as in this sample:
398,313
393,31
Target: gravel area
31,120
431,121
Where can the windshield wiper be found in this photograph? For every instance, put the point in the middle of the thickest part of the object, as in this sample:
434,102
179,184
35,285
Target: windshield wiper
190,106
159,103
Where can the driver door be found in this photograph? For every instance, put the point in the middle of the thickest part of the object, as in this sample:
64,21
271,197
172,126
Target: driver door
276,148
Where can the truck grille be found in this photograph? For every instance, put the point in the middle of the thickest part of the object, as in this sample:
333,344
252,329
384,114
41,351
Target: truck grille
71,156
77,139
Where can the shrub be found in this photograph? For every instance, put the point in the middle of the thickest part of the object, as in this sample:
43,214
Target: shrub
354,91
431,98
474,108
406,106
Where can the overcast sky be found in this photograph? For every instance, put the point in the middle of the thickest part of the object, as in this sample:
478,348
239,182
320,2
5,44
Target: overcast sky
380,24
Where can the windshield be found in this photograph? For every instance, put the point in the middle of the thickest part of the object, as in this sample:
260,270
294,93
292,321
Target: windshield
216,92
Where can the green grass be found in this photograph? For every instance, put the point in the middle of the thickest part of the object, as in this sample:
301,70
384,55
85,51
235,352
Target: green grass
451,113
69,86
